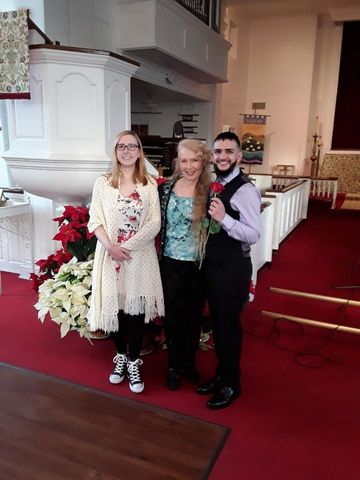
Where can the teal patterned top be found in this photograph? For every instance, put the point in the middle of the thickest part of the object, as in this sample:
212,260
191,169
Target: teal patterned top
180,243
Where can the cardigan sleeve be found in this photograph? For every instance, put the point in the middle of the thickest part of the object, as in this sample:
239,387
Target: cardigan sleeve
96,211
145,236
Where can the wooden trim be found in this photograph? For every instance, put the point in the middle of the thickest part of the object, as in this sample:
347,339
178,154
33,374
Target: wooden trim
32,26
313,323
314,296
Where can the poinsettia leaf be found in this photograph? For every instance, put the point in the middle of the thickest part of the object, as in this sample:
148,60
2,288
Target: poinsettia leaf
65,327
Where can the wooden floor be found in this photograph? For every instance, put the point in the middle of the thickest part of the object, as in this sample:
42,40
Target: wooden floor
52,429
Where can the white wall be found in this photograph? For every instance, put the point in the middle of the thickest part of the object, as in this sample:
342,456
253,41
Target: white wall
82,23
286,54
281,61
231,96
36,8
277,55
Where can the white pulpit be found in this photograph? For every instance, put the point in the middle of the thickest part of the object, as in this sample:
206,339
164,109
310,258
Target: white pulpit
62,138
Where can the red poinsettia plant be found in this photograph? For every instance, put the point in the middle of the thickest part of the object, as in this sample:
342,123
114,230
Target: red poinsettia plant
76,241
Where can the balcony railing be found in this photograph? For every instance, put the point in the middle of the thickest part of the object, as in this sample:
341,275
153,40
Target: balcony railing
200,8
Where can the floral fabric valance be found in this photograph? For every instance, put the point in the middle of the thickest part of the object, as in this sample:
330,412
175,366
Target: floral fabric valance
14,55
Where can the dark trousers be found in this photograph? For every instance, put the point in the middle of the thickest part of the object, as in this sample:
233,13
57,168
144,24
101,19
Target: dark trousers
128,339
184,304
228,291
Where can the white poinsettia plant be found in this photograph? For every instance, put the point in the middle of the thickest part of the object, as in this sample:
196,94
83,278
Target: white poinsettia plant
66,297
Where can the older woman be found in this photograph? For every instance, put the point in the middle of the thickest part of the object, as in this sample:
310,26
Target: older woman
126,289
183,201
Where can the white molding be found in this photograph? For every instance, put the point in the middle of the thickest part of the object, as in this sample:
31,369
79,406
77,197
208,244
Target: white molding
55,163
100,59
345,14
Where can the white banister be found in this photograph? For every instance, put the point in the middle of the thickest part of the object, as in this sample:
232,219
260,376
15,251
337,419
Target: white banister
16,246
324,187
290,208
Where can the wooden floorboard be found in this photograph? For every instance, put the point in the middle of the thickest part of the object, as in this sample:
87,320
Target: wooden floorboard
56,430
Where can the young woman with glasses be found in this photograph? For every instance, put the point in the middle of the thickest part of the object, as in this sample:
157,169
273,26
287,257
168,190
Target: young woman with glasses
126,288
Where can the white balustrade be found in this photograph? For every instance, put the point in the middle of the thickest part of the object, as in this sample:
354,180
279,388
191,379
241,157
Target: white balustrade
291,205
324,187
16,247
261,252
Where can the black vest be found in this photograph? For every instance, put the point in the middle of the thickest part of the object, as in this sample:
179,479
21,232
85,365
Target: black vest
220,247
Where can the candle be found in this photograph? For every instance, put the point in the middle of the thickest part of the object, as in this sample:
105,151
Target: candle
316,124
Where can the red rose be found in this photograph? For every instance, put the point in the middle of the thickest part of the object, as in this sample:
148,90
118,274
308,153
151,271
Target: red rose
216,187
161,180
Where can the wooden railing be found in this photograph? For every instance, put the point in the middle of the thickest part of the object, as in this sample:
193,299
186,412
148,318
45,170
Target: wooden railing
325,188
279,182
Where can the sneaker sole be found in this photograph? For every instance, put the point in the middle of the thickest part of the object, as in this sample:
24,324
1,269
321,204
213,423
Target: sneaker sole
115,381
136,388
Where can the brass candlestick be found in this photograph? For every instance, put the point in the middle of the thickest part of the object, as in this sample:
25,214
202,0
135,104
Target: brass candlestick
315,155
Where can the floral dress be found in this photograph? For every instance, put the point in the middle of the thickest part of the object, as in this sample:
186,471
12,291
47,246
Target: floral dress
130,209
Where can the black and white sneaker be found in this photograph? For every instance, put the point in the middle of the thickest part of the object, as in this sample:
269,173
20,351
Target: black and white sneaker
118,374
136,384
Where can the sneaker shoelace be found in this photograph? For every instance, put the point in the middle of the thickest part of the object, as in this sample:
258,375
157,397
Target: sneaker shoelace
120,360
133,371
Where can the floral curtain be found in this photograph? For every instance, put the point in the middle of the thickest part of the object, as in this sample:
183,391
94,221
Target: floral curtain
14,55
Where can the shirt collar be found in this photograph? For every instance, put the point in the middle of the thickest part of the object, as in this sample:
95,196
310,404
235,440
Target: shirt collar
229,177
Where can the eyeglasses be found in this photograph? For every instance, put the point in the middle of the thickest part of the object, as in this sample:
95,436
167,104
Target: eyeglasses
130,146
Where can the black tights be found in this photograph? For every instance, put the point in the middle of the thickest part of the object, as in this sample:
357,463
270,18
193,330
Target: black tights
128,339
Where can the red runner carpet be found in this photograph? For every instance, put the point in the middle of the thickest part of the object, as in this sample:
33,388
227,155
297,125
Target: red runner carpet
298,417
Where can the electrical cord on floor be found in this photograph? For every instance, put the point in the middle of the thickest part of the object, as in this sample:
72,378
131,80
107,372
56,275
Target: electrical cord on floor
310,357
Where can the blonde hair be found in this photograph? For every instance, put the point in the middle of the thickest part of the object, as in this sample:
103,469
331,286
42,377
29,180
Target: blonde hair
204,154
140,174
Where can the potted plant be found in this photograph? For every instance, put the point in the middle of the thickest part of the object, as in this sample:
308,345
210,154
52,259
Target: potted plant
64,279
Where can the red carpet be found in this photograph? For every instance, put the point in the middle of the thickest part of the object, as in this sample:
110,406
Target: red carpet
292,421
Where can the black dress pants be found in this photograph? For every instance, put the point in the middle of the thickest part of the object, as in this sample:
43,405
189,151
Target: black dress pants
184,304
228,291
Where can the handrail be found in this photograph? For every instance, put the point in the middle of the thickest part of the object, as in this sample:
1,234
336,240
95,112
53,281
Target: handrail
32,26
291,186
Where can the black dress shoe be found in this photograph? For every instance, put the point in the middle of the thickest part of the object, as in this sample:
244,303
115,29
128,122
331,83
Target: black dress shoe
209,387
223,398
191,373
173,381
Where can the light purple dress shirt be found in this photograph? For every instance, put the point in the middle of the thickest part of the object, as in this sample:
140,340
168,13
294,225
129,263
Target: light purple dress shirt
247,201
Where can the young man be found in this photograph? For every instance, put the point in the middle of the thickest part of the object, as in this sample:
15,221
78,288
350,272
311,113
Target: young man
228,266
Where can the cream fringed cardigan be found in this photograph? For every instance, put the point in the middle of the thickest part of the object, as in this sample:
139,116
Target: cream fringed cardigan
139,286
